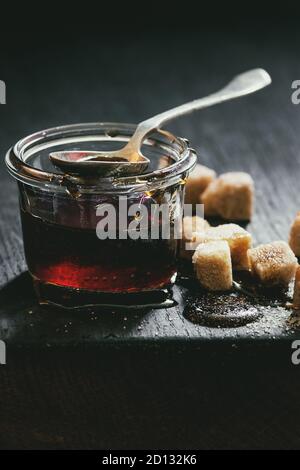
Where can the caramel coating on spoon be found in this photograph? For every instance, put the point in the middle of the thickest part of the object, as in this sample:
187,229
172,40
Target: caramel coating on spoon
91,163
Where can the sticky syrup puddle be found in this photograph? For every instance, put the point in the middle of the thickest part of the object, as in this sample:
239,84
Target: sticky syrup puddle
245,304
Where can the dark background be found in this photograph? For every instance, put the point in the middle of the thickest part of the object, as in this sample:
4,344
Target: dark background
88,62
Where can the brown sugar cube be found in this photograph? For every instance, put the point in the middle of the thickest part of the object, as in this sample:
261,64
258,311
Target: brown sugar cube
296,296
197,182
294,239
191,225
230,196
212,264
239,241
273,263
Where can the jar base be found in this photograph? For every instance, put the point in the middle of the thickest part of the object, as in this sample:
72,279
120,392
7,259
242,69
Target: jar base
80,299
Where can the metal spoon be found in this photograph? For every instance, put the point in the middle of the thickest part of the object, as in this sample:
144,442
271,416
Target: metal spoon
91,163
129,159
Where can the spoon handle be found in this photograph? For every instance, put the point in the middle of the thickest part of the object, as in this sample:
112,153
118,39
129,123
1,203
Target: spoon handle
241,85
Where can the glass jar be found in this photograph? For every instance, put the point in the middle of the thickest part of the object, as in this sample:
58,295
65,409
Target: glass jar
72,265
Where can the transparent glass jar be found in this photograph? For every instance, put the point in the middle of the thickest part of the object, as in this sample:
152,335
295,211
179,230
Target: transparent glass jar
70,265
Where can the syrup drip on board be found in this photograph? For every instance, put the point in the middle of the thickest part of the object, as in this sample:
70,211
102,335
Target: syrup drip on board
235,308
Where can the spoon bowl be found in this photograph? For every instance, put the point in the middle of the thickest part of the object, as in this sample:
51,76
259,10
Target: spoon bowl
91,163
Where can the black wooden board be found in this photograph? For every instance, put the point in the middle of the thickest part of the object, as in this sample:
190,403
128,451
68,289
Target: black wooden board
24,324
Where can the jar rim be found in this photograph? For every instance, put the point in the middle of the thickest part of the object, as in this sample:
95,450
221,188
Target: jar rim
24,172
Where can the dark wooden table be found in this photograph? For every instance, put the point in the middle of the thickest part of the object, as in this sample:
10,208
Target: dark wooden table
152,379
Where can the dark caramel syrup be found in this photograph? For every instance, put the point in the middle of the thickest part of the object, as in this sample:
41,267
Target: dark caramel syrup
76,258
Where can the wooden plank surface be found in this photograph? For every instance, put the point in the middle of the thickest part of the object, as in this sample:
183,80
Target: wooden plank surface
259,134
